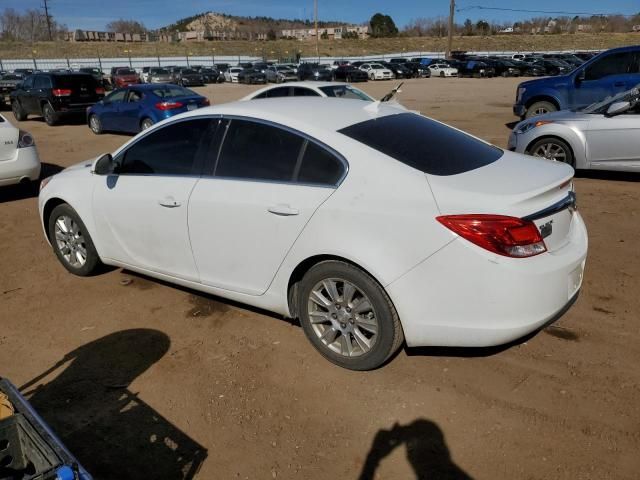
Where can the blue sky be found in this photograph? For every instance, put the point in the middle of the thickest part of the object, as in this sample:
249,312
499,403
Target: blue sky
93,14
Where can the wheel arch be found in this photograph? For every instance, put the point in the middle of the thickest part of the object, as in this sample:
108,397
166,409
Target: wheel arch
46,213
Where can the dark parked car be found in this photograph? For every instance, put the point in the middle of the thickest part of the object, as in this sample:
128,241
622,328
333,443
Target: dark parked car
474,68
95,73
349,73
314,71
24,71
530,69
187,77
251,76
54,95
137,107
8,83
418,70
123,76
210,75
554,67
400,70
501,68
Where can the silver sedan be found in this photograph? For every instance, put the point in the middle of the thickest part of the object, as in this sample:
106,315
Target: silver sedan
602,136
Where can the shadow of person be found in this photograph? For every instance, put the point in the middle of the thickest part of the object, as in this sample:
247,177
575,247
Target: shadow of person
426,449
112,432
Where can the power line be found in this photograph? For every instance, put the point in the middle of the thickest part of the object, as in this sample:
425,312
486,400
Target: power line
550,12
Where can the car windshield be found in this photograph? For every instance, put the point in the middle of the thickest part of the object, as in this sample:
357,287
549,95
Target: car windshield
125,71
172,91
282,69
345,91
424,144
601,107
188,71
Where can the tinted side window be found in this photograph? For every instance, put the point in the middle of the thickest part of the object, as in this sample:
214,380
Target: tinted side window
424,144
304,92
115,97
614,64
319,166
168,151
257,151
28,83
275,92
42,82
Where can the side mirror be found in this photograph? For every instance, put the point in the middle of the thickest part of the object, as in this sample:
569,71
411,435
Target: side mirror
617,108
580,76
104,165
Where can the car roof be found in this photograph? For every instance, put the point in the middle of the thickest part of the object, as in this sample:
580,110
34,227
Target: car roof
311,113
304,84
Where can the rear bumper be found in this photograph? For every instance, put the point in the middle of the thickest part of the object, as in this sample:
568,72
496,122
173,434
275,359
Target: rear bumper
24,165
463,296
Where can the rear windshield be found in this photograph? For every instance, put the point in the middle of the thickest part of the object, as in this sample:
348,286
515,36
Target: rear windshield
74,81
125,71
172,91
345,91
424,144
159,71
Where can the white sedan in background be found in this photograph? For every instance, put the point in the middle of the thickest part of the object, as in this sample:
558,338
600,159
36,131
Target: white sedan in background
369,223
231,75
375,71
19,161
311,89
443,70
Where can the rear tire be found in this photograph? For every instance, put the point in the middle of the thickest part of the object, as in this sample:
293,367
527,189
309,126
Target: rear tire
441,74
95,124
359,330
71,242
18,111
49,114
540,108
146,123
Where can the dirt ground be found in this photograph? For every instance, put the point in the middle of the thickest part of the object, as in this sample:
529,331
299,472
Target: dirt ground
146,380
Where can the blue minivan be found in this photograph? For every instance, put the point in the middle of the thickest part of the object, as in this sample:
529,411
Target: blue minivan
611,72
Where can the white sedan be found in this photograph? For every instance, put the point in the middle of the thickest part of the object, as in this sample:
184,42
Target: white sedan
371,224
231,75
310,89
442,70
375,71
19,161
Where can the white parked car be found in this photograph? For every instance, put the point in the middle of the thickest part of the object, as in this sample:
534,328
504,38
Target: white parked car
311,89
442,70
231,75
375,71
19,161
369,223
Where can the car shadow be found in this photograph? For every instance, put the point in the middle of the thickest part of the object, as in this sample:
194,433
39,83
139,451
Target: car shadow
426,450
78,119
511,125
22,191
609,175
112,432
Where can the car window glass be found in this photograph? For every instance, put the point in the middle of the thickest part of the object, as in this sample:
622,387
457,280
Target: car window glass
170,150
115,97
42,82
304,92
28,83
614,64
275,92
424,144
134,96
258,151
319,166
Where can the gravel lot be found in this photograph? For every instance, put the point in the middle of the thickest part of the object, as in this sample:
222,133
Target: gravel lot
146,380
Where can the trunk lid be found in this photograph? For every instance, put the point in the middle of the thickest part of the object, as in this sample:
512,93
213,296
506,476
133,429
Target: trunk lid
515,185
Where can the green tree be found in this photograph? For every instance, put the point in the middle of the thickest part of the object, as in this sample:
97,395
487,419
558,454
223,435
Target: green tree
271,34
483,27
382,26
468,27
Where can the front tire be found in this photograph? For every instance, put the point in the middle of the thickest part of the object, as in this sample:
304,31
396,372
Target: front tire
71,241
540,108
552,148
146,123
347,316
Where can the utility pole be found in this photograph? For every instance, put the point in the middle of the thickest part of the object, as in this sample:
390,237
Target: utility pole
315,17
46,14
452,8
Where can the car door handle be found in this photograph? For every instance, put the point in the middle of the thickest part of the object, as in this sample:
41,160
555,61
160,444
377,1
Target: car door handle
283,210
169,202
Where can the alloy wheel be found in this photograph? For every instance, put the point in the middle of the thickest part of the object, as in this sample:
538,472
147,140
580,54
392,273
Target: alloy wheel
70,241
94,123
551,151
342,317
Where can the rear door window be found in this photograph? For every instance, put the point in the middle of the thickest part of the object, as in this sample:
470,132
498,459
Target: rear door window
275,92
424,144
257,151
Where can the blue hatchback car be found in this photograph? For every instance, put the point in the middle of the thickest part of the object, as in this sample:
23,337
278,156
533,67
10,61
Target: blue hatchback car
604,75
136,107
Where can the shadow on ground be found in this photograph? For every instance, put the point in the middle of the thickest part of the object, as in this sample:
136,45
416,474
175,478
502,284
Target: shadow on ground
426,451
112,432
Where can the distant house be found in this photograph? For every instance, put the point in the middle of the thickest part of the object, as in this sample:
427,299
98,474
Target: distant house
506,30
331,32
635,28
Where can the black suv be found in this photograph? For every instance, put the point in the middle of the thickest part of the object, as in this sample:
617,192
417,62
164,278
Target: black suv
313,71
54,95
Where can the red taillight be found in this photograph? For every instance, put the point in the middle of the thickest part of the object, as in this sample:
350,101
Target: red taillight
61,92
100,90
168,105
508,236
